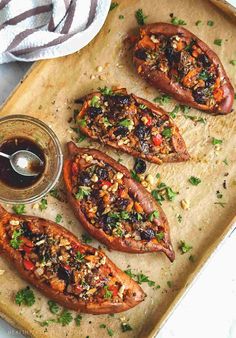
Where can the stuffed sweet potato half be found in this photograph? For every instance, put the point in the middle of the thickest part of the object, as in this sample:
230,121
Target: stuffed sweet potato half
111,206
73,274
132,125
178,63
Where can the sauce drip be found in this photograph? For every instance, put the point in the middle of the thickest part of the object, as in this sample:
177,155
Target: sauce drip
7,175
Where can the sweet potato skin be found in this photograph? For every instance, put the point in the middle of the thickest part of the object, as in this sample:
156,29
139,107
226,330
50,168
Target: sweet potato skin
146,200
69,301
183,95
180,154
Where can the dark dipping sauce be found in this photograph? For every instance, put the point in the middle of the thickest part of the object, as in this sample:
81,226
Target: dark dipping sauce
7,175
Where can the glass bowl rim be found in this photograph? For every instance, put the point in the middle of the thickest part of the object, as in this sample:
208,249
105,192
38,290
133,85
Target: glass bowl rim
59,155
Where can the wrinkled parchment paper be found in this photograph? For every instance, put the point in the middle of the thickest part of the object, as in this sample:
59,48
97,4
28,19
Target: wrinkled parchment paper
48,93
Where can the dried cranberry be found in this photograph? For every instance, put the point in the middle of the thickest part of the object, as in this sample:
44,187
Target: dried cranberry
64,274
147,234
94,111
121,130
115,100
140,166
84,178
121,203
27,232
141,54
102,173
210,82
203,59
141,131
107,229
171,55
199,95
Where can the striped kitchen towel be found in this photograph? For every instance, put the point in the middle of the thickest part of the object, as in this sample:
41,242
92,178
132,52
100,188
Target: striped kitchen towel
40,29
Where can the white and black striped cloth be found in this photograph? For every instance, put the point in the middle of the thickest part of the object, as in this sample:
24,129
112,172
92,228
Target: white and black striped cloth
40,29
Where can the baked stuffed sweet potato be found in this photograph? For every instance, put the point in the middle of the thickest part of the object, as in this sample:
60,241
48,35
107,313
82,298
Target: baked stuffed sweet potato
111,206
133,125
178,63
73,274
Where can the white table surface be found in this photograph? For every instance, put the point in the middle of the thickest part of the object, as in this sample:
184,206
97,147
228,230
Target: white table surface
209,308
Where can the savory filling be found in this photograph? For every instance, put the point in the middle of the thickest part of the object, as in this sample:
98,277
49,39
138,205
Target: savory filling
65,266
121,119
183,61
107,203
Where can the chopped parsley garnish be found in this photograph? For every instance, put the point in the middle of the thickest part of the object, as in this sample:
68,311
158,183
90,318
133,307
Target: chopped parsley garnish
177,21
164,99
105,90
153,215
46,322
25,297
58,218
163,192
194,180
129,273
195,118
95,101
65,318
219,195
216,141
19,209
160,236
108,293
174,111
102,326
169,283
140,17
167,132
15,241
110,332
142,106
82,123
79,256
184,247
43,204
82,192
192,258
179,217
233,62
222,204
125,123
78,319
113,5
198,22
210,23
135,176
53,307
121,17
218,42
225,161
106,122
204,75
140,277
86,239
126,327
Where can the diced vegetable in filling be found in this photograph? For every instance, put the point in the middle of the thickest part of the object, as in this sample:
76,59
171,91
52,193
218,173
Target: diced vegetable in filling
121,119
64,265
184,62
108,204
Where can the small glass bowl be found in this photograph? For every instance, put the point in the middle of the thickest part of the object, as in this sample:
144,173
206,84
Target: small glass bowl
37,131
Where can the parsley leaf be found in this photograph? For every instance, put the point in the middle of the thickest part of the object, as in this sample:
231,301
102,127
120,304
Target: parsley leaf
174,111
225,161
65,318
125,123
142,106
184,247
25,296
153,215
113,6
95,101
218,42
164,99
108,293
43,204
102,326
160,236
106,122
194,180
15,241
169,283
216,141
53,307
126,327
82,192
121,17
58,218
110,332
140,17
19,209
135,176
79,256
129,273
210,23
167,132
233,62
86,239
105,90
140,278
82,123
78,319
163,192
177,21
198,22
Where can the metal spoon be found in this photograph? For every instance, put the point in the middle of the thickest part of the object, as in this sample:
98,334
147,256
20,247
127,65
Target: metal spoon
25,162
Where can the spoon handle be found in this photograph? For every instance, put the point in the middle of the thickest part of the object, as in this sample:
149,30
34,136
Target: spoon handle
4,155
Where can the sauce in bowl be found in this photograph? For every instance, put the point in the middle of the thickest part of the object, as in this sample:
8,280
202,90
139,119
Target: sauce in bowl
7,174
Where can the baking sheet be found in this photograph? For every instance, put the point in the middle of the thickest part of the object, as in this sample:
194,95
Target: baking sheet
48,93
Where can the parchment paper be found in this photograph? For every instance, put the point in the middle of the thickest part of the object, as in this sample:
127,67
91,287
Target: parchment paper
48,93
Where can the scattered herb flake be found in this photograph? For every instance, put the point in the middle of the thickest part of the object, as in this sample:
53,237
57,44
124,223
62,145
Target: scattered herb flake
105,90
216,141
110,332
218,42
102,326
169,283
121,17
163,99
153,215
86,239
82,192
160,236
225,161
129,273
167,132
198,22
126,327
95,101
222,204
179,217
142,106
65,318
192,258
25,297
43,204
78,319
135,176
194,180
15,241
82,123
108,293
140,17
53,307
19,209
184,247
58,218
210,23
125,123
233,62
113,6
177,21
79,256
